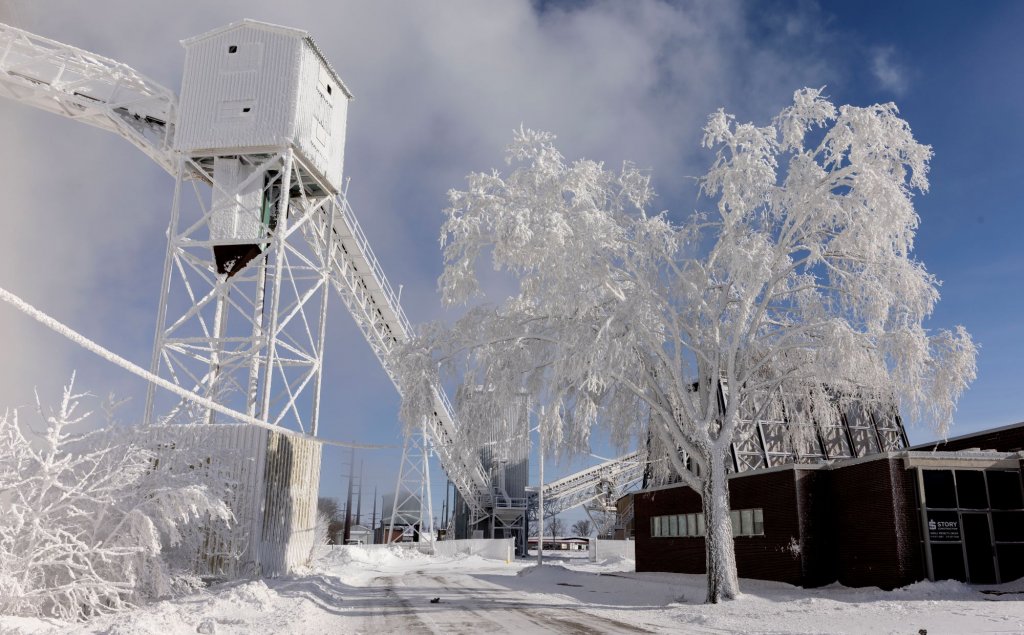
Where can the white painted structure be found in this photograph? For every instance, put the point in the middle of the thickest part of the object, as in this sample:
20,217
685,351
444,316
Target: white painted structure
492,549
601,550
269,481
260,227
255,85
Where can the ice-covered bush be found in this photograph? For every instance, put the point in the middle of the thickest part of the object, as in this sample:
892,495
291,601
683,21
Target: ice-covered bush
321,537
86,516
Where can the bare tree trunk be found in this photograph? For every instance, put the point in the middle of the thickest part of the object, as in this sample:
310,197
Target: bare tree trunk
723,583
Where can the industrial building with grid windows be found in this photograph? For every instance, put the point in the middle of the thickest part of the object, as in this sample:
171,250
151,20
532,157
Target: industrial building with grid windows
857,506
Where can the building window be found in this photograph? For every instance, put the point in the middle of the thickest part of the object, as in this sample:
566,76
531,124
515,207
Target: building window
747,522
677,526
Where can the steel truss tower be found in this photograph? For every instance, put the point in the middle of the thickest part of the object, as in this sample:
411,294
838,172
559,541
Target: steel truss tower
412,489
260,225
242,314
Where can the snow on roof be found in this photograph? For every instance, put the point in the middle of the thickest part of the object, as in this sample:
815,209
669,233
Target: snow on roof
910,457
962,437
274,28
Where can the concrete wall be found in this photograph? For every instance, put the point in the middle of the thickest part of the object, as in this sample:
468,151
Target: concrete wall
601,550
497,549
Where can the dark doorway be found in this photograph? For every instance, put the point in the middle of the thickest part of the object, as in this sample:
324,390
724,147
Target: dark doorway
981,566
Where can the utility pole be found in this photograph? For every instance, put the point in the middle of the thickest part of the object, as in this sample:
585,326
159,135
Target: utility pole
348,503
359,502
444,508
373,518
540,492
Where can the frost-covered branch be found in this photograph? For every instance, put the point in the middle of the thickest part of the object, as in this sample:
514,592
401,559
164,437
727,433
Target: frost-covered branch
86,516
796,293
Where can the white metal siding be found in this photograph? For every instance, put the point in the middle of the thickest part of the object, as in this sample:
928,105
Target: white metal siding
321,111
218,86
270,481
235,214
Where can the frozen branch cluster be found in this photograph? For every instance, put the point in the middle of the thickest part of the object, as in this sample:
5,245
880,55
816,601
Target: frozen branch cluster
87,517
796,293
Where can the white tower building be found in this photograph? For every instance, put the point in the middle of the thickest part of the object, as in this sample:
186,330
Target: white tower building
242,315
253,241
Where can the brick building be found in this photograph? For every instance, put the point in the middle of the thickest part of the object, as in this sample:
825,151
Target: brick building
883,520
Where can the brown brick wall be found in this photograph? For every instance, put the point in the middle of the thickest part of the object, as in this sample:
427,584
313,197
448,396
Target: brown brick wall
873,522
856,524
678,555
768,557
814,494
777,554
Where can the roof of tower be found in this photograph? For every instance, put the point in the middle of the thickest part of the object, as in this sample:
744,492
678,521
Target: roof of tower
275,28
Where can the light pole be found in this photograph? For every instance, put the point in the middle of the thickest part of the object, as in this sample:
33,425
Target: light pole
540,492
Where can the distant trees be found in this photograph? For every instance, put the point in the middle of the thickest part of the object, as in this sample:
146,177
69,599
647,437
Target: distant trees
331,512
797,287
554,526
582,528
86,517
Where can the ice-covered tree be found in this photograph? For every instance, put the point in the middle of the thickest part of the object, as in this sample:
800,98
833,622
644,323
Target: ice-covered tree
799,281
86,515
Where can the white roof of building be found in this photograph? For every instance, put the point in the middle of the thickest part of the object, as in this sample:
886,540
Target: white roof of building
276,28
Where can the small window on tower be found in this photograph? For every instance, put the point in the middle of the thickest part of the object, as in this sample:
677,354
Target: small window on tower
328,89
232,49
246,109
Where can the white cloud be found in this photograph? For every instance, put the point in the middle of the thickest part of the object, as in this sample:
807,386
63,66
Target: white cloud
890,75
439,88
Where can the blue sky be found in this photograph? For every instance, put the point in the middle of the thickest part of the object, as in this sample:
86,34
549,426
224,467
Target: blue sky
439,88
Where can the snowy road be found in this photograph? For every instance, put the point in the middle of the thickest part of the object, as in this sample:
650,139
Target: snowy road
468,604
381,591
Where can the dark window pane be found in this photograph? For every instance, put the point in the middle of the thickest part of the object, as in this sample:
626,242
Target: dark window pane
1004,489
1011,562
1008,526
938,489
948,562
970,489
981,564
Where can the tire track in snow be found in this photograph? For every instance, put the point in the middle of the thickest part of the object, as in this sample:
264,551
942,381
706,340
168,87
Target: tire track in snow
573,621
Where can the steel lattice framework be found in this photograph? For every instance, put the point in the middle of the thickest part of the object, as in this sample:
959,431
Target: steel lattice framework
255,338
89,88
604,482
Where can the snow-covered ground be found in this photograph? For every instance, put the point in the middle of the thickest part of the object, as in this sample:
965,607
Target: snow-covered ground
378,591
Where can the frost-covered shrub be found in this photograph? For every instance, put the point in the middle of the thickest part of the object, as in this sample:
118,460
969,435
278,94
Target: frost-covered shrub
321,537
86,514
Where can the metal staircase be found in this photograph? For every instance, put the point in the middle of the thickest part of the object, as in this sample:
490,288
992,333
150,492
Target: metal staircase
359,280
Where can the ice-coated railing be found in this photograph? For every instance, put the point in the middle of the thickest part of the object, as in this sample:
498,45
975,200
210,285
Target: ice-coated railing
463,467
89,88
371,259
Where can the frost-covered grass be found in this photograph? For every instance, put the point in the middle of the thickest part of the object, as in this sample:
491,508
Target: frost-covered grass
358,590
